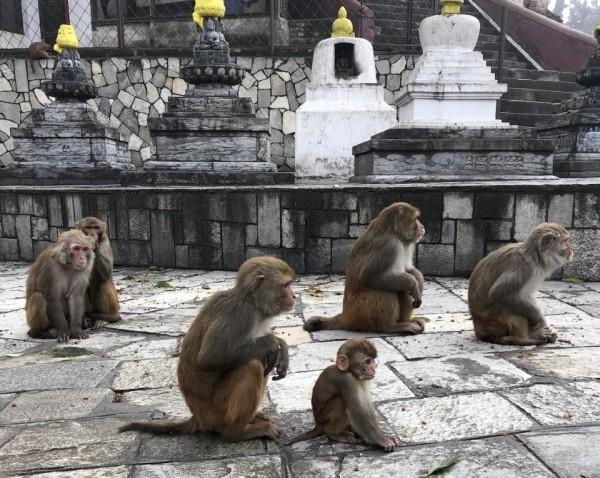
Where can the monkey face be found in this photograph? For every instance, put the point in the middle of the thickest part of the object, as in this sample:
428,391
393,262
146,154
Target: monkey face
79,254
288,298
419,230
366,367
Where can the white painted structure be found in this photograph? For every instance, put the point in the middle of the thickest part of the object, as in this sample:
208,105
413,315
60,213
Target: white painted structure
339,112
451,85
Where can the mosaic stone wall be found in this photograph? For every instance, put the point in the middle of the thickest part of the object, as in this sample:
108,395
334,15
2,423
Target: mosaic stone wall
132,90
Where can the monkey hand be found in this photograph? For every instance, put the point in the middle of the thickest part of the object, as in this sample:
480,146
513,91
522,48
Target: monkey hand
416,300
283,361
63,336
270,355
79,334
388,443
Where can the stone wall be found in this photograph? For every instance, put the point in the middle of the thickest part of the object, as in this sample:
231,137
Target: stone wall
312,228
132,90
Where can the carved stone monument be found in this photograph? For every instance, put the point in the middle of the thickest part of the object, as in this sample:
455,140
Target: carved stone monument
65,143
576,128
210,135
344,105
448,130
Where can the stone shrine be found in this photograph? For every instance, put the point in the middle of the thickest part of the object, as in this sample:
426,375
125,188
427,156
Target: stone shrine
344,105
64,143
576,129
210,135
448,129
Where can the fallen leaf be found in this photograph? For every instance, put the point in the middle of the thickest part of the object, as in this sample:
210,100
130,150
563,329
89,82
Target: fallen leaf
573,280
69,352
442,465
163,284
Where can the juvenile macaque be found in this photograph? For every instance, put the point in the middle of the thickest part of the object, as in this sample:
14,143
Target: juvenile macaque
38,50
382,285
503,284
341,400
102,298
56,287
229,351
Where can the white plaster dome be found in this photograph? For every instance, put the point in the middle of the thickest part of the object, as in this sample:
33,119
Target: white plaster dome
449,32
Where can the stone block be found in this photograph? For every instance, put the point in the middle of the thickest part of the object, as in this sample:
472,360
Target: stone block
233,245
586,210
23,224
201,232
234,207
9,226
9,204
205,257
139,224
269,217
458,206
251,235
340,251
560,209
498,230
39,228
169,202
9,249
163,244
448,231
318,256
328,224
293,228
435,259
55,211
530,210
585,263
140,253
40,246
469,245
493,206
39,206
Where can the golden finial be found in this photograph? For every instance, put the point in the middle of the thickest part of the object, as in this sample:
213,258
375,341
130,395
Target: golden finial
66,38
207,9
451,7
342,26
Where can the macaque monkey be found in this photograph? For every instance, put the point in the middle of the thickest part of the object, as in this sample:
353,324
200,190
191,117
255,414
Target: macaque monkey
382,286
102,300
228,353
503,284
341,400
56,287
38,50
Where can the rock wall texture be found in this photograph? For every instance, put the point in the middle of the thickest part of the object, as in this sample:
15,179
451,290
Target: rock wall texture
131,90
312,228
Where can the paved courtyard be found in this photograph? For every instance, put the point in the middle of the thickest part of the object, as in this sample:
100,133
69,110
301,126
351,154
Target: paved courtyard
502,411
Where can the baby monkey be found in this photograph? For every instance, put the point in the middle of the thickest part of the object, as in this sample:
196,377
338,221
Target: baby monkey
341,400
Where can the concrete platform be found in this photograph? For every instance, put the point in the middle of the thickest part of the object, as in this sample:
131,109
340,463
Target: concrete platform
516,412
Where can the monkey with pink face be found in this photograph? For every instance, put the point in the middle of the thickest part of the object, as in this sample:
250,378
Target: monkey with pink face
503,284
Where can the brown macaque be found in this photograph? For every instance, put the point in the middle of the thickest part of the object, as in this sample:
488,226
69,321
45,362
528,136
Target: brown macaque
503,284
102,300
341,400
382,285
56,287
38,50
228,352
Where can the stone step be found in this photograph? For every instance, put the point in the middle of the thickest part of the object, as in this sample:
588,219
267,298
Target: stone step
542,85
527,94
523,106
523,119
507,64
509,56
546,75
488,38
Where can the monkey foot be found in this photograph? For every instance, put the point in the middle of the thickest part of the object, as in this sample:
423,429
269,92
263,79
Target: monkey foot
79,334
545,335
87,323
262,417
346,437
63,337
99,324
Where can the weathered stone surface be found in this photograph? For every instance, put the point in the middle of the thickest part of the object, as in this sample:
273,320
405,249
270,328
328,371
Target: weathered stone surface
255,467
164,402
11,347
566,363
110,472
459,373
454,417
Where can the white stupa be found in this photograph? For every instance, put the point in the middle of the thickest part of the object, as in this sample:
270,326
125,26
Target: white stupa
344,105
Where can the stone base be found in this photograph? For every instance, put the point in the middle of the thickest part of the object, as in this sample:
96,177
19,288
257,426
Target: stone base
205,178
48,176
418,154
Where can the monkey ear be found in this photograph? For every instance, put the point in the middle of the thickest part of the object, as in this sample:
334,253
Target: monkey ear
342,363
258,280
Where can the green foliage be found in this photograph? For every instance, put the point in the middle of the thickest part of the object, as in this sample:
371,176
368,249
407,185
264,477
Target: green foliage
68,352
442,465
163,284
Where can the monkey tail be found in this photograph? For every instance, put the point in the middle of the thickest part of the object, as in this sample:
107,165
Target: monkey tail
324,323
309,435
105,317
162,426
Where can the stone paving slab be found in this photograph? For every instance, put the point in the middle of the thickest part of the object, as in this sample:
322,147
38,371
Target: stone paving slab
442,392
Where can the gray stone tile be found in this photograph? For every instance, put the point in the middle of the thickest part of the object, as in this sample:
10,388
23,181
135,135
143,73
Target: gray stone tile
100,340
70,444
571,452
293,336
456,417
159,301
110,472
554,306
167,401
145,349
454,322
442,344
6,399
155,373
57,405
572,363
163,324
54,376
459,373
497,457
14,326
250,467
318,355
323,467
572,403
10,347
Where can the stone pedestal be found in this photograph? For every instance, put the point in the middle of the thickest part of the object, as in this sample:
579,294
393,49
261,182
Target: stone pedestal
344,106
576,128
451,85
422,154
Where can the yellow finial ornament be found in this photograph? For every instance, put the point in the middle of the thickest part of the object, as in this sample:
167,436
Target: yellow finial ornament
451,7
342,26
66,38
207,9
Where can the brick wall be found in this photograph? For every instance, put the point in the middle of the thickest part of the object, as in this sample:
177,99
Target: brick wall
310,227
